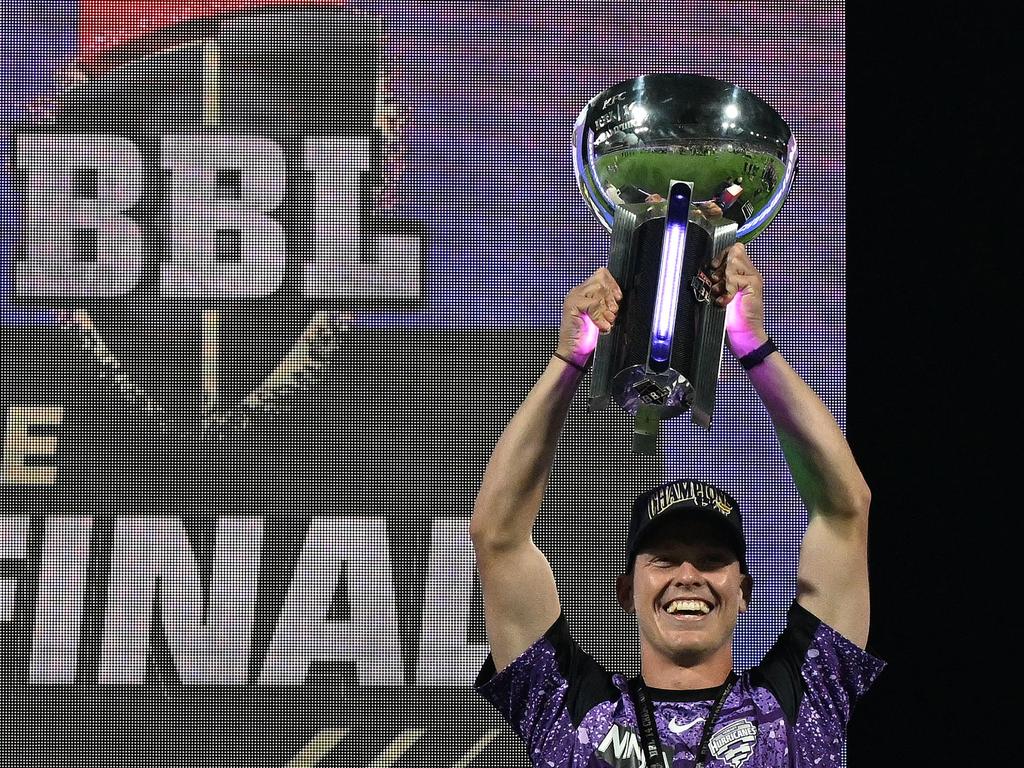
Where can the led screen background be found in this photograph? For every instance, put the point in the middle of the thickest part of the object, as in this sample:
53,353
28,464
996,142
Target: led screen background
365,477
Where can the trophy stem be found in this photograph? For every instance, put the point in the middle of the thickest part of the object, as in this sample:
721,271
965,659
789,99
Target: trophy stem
645,430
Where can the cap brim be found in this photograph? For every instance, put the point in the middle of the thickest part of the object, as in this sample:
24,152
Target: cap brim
731,534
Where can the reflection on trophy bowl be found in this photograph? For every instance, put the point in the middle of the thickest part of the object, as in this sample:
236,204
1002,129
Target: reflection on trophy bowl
634,138
678,168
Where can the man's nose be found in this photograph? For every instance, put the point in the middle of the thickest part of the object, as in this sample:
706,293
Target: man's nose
687,573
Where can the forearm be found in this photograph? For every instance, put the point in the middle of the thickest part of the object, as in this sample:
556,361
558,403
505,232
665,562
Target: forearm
517,473
832,577
822,465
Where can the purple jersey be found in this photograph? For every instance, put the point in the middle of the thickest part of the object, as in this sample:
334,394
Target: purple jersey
790,710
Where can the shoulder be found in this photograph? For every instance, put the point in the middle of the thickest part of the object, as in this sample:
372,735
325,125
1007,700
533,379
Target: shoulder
811,665
553,673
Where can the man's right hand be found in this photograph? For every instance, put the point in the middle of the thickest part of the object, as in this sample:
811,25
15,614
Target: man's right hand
589,309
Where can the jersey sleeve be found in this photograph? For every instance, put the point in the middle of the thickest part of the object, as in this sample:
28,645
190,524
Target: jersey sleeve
545,693
816,674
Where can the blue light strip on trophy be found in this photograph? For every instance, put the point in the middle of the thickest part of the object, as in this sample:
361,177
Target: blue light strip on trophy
670,274
775,202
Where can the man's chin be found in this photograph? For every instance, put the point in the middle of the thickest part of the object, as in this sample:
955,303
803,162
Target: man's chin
690,646
685,652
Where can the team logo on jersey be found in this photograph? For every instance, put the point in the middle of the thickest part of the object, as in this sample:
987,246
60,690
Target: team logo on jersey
621,748
205,207
734,743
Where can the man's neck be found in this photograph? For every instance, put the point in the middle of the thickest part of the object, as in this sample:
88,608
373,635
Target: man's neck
685,675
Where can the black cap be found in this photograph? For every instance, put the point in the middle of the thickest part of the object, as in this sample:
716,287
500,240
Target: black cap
691,497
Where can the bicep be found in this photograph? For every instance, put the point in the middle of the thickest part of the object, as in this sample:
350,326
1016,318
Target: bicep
520,599
832,579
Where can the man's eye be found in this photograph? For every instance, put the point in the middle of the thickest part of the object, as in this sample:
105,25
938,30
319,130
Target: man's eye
714,562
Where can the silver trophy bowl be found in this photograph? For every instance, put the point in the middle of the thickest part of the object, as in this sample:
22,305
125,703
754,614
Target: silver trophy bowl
677,168
633,139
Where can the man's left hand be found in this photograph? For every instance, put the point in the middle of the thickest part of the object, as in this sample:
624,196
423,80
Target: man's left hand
737,285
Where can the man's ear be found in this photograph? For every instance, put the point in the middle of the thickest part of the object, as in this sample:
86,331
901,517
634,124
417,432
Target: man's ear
747,587
624,591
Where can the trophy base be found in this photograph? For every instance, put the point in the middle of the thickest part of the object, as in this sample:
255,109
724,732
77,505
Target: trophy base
667,394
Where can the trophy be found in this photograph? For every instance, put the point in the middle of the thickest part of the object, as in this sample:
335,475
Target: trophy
677,168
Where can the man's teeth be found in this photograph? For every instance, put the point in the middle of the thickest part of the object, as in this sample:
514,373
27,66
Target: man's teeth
689,606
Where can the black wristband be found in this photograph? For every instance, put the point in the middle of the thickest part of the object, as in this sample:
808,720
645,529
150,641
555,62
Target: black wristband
756,356
577,366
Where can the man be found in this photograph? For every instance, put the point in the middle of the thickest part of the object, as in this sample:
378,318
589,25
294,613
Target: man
686,581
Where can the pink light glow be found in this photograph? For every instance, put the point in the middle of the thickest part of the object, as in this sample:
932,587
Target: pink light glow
104,24
588,335
742,338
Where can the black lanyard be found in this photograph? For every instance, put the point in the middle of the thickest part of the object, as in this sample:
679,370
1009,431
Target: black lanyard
645,719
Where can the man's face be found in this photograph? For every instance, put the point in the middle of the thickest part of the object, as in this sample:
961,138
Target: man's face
687,591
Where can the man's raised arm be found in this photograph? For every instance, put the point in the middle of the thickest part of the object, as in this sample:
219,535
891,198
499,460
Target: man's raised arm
832,579
520,598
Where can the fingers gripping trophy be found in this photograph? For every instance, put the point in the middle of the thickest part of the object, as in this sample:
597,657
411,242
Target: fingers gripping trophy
678,168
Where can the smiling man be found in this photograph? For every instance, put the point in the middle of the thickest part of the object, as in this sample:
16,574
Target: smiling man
685,580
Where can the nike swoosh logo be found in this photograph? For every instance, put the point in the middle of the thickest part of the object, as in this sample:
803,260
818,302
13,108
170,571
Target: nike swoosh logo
678,729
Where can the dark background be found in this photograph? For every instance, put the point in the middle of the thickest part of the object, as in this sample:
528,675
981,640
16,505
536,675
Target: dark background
933,290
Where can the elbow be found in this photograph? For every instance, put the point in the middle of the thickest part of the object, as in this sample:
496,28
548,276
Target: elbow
855,506
486,534
478,533
483,522
848,503
494,534
862,500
